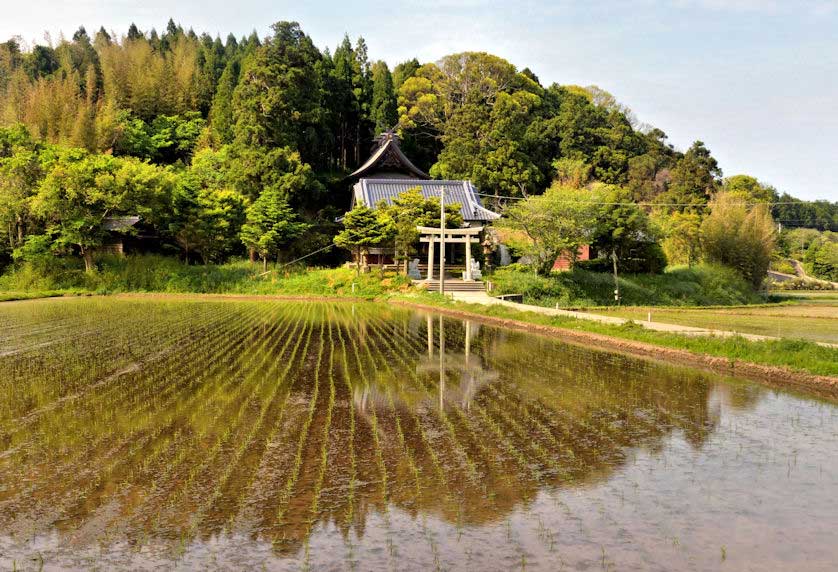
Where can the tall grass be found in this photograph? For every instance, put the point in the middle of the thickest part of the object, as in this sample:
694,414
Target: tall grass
153,273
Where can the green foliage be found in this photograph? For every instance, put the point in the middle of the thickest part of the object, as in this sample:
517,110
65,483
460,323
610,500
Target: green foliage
749,190
695,179
82,191
221,114
821,257
792,212
255,170
150,273
624,230
285,117
277,102
271,225
207,215
701,285
738,237
561,220
383,112
363,227
22,165
167,139
682,232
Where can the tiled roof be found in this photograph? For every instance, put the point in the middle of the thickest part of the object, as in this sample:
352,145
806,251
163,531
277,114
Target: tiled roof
119,223
370,192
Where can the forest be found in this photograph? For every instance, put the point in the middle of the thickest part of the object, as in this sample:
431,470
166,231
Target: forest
224,147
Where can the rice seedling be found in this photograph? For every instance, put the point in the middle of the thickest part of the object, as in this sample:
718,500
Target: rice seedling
159,433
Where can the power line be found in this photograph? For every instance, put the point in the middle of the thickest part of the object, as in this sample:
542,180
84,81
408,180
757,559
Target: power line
647,203
328,246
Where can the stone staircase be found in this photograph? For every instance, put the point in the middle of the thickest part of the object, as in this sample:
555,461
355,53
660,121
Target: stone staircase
452,285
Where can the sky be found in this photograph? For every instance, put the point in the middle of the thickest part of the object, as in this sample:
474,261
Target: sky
755,80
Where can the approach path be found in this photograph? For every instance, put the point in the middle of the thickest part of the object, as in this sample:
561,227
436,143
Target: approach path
486,300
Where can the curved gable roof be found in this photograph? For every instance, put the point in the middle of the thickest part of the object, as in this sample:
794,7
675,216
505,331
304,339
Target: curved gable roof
389,157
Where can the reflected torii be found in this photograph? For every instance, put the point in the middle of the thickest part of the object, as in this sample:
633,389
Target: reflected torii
468,373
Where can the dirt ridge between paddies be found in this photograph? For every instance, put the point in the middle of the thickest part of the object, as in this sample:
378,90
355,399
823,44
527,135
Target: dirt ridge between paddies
772,375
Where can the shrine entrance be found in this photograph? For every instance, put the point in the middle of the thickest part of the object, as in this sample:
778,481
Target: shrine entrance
464,236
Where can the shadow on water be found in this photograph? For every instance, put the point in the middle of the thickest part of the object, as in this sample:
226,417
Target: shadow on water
352,436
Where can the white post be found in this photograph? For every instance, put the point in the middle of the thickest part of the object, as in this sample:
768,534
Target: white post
442,240
468,257
431,258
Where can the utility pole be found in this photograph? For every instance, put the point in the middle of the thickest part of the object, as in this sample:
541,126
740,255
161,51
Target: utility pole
616,281
442,240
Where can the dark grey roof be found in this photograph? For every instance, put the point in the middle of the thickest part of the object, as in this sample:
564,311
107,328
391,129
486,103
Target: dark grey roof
370,192
389,157
119,223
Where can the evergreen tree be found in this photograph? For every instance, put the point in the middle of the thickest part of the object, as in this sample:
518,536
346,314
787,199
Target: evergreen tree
271,225
363,227
276,102
221,112
383,111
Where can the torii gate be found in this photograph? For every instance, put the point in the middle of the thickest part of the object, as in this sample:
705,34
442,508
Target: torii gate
433,235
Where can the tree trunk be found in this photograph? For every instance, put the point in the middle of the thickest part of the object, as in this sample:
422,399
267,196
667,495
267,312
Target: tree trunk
87,255
264,263
252,254
358,262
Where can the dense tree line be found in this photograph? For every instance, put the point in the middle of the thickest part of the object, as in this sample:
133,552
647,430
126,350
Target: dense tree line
242,145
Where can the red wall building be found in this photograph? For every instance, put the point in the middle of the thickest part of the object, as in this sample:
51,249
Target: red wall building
562,263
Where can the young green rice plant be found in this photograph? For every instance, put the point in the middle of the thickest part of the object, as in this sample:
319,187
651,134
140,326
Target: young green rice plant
286,493
500,434
381,358
82,487
251,384
162,499
408,453
398,350
353,462
245,444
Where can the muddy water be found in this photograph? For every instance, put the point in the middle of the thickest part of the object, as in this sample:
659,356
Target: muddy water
285,436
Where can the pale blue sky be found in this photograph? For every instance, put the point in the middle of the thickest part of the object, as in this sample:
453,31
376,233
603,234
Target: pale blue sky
756,80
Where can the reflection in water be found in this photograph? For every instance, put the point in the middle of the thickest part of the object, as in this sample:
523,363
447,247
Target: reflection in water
287,435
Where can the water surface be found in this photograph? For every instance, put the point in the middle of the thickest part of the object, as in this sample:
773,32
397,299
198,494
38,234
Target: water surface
235,435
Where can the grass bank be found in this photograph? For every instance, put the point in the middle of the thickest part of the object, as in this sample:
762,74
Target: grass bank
702,285
151,273
779,360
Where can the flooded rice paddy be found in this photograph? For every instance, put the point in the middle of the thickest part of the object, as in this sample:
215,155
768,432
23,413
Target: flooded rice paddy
236,435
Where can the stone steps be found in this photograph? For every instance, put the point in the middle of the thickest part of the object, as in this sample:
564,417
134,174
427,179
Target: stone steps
453,285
